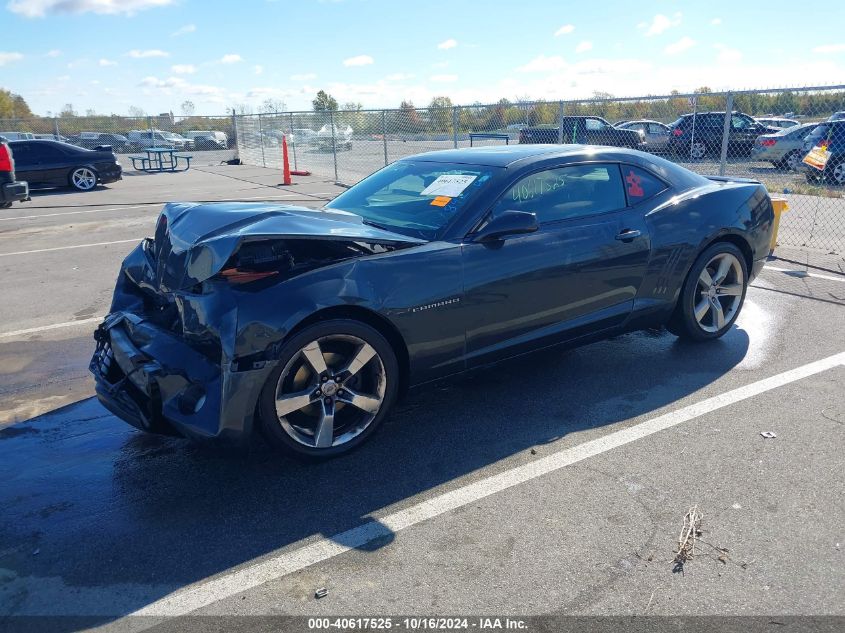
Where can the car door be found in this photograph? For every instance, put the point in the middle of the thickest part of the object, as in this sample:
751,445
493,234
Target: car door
597,132
26,167
743,132
580,271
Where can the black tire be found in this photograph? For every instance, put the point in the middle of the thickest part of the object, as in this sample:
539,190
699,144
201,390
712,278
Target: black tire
5,205
268,419
83,178
683,322
835,173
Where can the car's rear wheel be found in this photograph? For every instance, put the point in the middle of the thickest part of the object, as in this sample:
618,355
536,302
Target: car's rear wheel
793,160
334,384
697,150
836,174
83,179
712,295
5,205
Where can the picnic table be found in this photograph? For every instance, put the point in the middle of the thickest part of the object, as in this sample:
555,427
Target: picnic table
160,159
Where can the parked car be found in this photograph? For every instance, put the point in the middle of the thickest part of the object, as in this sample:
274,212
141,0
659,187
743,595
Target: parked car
178,141
11,189
828,141
704,137
90,140
16,136
204,139
52,137
55,164
783,149
143,139
590,130
341,139
308,323
655,134
777,122
836,116
303,136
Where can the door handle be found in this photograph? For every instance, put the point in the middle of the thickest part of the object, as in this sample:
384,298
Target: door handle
628,234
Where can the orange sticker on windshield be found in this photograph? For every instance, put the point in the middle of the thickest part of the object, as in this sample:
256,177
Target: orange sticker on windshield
441,201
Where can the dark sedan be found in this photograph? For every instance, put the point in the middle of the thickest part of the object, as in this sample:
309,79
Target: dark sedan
308,324
53,164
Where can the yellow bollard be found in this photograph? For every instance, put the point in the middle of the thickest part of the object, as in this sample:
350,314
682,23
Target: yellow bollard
780,206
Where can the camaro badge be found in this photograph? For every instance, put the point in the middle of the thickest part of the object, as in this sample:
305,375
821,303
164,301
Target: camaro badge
436,304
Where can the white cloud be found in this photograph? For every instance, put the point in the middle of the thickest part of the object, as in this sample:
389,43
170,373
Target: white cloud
258,69
583,47
440,65
660,23
358,60
444,78
231,58
153,52
716,21
399,77
543,64
53,53
41,8
183,69
830,48
566,29
727,55
683,44
179,85
445,45
8,58
107,62
188,28
303,77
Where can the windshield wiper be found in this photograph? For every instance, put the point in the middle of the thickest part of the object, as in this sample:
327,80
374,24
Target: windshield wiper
377,225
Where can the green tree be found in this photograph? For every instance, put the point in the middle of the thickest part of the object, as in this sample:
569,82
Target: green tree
13,106
324,102
67,111
440,114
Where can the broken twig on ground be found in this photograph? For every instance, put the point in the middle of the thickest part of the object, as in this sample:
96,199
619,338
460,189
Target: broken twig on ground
690,531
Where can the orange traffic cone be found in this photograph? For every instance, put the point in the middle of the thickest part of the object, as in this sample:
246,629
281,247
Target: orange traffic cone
285,161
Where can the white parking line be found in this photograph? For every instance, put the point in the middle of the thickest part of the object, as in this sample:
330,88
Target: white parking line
805,273
46,328
64,248
52,215
210,591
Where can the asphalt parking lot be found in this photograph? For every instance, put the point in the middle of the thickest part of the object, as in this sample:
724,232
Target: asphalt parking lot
554,484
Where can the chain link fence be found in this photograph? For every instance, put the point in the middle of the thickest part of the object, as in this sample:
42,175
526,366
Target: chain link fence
211,138
760,134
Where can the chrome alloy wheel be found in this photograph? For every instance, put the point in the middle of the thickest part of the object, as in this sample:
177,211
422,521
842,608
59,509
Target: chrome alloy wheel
330,391
697,150
719,292
83,179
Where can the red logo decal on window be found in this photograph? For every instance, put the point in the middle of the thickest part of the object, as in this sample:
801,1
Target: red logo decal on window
634,188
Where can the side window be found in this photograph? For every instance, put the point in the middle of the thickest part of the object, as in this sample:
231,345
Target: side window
594,125
739,123
640,185
22,153
48,153
566,192
653,128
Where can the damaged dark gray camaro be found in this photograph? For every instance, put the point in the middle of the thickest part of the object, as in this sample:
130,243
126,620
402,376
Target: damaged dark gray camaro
310,323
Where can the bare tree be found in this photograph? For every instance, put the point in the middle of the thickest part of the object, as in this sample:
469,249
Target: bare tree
188,108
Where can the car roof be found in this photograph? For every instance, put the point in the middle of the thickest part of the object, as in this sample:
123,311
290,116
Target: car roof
504,155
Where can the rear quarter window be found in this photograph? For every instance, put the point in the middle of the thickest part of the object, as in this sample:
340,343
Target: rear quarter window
640,185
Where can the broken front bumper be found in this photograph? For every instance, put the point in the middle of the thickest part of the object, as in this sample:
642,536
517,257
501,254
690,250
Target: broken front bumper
155,381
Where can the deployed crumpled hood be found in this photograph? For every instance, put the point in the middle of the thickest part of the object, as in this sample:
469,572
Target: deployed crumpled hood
194,240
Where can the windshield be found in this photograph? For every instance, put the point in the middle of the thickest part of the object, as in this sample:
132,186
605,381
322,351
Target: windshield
415,198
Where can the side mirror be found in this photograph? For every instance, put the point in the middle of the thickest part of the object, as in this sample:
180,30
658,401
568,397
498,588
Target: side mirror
507,223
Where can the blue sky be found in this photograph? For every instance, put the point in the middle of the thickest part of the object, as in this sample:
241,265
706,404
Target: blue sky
109,55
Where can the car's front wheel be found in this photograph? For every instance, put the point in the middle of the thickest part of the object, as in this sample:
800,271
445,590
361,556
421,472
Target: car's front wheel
83,179
697,150
712,295
836,174
334,384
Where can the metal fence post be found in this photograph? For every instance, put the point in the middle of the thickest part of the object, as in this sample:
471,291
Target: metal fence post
293,141
235,133
150,130
261,140
56,129
560,124
334,145
384,134
455,127
729,106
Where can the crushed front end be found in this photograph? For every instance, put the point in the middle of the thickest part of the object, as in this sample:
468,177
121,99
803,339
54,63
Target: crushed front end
163,360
